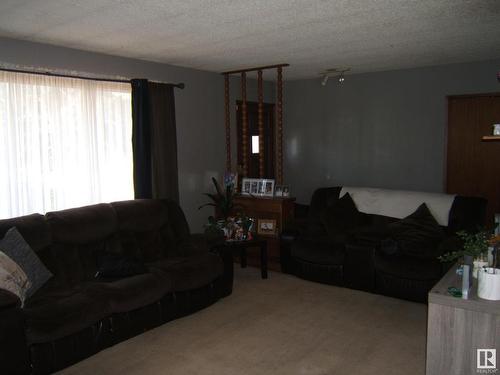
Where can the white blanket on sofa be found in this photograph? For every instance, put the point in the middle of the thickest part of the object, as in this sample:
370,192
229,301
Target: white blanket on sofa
399,203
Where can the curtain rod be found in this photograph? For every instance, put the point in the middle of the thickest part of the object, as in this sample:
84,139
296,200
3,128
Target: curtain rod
178,85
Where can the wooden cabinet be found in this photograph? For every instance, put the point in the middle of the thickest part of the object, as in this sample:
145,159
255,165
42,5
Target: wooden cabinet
279,209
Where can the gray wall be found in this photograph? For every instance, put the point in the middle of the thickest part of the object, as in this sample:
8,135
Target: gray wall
384,129
199,108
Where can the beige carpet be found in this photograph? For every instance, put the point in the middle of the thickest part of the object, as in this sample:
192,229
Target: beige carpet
282,325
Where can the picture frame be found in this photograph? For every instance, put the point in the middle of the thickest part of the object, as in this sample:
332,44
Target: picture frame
285,192
278,191
260,187
266,227
246,184
282,191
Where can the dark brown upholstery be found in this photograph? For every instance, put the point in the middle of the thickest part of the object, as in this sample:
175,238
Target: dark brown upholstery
76,314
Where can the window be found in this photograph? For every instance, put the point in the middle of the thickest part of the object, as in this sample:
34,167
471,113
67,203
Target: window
64,143
255,144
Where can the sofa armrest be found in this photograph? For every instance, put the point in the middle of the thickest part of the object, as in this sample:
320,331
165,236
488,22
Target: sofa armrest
359,269
14,357
197,243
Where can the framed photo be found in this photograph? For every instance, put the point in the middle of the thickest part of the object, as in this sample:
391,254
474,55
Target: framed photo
286,191
245,186
282,191
249,186
256,186
266,227
266,188
278,191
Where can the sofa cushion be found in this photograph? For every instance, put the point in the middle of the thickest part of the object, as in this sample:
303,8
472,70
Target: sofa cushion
342,216
418,234
13,278
73,264
33,228
190,272
83,225
406,267
321,199
118,266
17,249
53,313
320,250
145,229
132,292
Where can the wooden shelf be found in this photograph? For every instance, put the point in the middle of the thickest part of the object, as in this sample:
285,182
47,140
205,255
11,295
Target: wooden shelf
491,138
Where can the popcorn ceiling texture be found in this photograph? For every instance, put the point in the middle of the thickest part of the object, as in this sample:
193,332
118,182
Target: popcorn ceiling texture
310,35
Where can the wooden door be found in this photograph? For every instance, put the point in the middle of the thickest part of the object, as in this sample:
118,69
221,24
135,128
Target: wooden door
253,130
473,165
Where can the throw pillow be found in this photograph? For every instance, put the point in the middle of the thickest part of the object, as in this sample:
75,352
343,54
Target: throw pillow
342,216
13,278
418,234
118,266
14,245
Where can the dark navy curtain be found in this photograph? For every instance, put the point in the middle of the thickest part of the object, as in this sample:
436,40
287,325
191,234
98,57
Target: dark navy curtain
154,140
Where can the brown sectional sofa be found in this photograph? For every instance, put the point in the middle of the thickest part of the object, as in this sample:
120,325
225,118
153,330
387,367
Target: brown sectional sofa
75,314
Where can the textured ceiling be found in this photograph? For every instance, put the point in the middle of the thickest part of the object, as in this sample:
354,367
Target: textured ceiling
311,35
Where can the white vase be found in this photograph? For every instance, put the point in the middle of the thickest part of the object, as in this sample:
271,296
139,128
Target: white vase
489,284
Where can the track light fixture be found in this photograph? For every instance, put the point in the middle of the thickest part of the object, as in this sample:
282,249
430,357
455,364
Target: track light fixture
334,72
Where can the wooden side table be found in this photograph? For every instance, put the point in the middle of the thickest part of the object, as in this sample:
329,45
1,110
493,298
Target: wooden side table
459,329
242,246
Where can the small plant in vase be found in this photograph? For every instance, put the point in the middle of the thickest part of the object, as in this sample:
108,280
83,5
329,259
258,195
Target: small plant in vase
474,251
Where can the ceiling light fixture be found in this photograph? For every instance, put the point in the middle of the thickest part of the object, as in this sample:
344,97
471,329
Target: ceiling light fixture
341,78
334,72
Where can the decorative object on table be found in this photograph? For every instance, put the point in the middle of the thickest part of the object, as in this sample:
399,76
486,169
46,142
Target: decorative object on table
286,191
496,129
231,180
257,186
233,228
278,191
489,283
266,227
467,276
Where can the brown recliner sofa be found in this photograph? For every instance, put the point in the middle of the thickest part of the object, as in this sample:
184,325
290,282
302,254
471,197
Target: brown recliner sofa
76,314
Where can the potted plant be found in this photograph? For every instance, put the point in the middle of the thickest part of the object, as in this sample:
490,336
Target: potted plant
474,250
223,202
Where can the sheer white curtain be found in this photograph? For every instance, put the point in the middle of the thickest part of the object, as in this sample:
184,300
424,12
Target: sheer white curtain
64,143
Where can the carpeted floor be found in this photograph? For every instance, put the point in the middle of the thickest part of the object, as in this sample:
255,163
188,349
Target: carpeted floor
283,325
